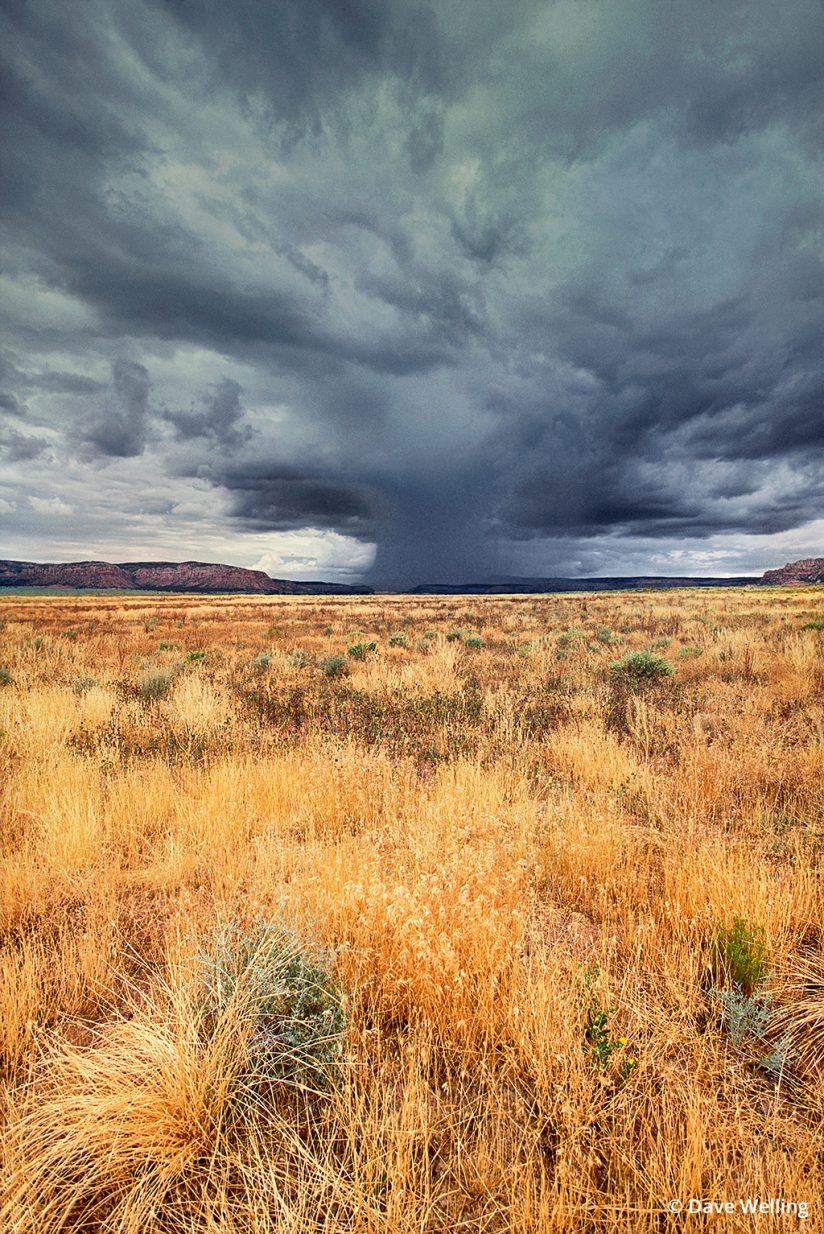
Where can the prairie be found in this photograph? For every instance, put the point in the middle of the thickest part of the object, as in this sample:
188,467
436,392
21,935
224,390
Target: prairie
570,910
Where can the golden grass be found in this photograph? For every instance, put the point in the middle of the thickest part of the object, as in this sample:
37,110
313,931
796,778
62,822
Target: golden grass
475,833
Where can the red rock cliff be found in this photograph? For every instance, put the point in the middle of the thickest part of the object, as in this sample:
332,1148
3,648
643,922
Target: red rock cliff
810,570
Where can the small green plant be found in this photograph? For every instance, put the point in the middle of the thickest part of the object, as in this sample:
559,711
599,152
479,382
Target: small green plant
359,651
640,668
166,646
5,677
604,635
81,685
300,659
71,635
661,644
286,998
195,657
327,630
398,639
34,644
813,625
262,662
739,956
151,624
455,636
333,666
155,683
598,1040
474,641
690,652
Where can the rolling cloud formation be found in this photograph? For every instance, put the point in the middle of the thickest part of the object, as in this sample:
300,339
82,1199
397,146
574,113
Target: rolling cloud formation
426,292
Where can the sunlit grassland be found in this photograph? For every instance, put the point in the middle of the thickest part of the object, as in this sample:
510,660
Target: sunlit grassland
495,837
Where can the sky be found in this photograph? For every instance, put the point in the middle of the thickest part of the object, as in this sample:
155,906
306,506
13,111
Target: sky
400,292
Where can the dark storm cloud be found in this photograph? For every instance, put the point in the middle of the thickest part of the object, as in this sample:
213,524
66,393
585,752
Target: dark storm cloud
218,418
118,428
500,272
272,497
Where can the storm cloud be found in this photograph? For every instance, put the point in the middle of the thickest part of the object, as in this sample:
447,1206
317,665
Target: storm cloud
473,290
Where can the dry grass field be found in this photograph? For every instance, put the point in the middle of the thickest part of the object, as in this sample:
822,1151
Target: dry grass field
469,931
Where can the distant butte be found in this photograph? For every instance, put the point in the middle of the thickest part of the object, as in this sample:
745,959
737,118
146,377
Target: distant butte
184,576
809,570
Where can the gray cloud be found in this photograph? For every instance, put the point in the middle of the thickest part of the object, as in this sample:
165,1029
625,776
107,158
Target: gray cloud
218,418
548,277
118,428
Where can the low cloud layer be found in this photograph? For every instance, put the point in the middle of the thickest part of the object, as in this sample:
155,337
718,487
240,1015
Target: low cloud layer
534,289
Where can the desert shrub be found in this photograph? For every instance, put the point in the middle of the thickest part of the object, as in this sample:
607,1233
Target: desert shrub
813,625
5,677
398,639
746,1016
604,635
155,683
300,659
333,666
690,652
473,640
455,636
359,651
166,646
288,999
81,684
640,668
739,955
262,662
195,657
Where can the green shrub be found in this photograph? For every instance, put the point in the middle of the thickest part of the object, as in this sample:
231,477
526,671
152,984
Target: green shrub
813,625
398,639
604,635
81,684
155,683
166,646
359,651
195,657
746,1016
690,652
334,666
739,955
292,1008
640,668
473,640
5,677
455,636
300,659
262,662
